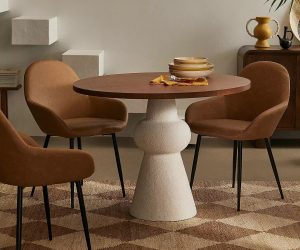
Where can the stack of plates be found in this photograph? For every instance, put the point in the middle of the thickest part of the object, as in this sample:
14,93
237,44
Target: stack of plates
9,77
191,67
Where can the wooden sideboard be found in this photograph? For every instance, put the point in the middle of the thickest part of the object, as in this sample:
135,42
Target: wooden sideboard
290,59
3,95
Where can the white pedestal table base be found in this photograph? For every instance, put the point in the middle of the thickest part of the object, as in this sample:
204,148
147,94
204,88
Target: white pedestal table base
162,192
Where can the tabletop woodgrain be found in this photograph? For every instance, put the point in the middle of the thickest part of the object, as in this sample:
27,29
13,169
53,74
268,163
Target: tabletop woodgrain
137,86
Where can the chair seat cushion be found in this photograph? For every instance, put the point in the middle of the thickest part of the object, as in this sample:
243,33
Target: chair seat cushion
223,128
90,126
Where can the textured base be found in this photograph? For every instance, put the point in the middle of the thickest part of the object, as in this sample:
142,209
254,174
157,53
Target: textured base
162,192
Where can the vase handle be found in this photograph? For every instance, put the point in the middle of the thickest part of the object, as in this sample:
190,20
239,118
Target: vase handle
278,27
247,27
292,34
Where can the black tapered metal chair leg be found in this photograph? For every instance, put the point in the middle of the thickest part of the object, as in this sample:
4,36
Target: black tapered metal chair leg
71,141
239,174
19,218
234,163
195,161
269,148
32,191
118,163
83,215
47,211
47,139
72,194
46,143
72,183
79,146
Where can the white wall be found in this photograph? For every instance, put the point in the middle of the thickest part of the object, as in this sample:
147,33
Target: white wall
137,35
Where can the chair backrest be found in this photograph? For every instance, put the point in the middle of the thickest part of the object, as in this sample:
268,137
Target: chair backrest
12,149
50,84
270,86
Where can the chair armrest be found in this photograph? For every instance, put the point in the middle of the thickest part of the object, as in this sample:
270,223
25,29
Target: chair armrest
212,108
48,121
109,108
28,140
264,125
42,167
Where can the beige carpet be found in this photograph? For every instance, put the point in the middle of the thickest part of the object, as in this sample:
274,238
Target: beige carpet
265,222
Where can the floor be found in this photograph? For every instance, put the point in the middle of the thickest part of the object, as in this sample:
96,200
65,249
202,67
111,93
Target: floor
215,162
265,222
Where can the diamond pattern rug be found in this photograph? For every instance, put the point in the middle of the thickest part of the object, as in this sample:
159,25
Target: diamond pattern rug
265,221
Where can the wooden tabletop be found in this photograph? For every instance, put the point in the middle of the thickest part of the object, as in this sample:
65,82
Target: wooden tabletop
137,86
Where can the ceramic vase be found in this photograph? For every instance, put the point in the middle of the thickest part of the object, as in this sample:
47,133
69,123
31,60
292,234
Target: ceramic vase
262,31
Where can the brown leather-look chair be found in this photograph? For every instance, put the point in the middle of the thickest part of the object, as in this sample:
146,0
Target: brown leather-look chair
25,164
60,111
250,115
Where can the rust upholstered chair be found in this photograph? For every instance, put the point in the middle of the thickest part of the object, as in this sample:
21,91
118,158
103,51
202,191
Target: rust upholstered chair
60,111
21,161
250,115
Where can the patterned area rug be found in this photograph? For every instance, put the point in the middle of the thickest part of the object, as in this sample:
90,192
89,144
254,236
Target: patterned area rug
265,222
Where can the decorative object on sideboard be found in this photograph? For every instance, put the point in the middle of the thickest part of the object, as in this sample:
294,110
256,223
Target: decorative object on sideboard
34,30
286,42
295,18
9,77
4,6
262,31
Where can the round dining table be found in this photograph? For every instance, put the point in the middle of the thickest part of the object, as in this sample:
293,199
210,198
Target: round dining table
162,191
